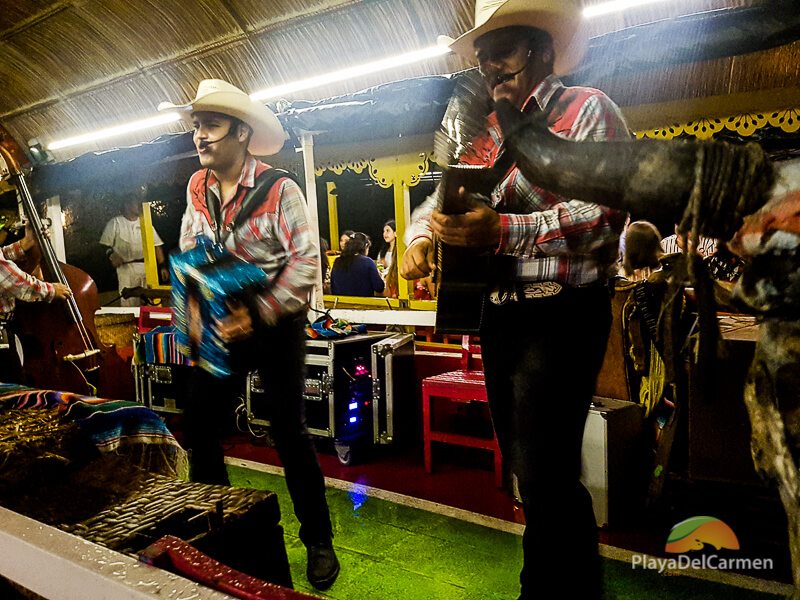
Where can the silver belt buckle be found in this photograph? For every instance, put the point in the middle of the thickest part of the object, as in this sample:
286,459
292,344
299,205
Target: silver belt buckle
541,289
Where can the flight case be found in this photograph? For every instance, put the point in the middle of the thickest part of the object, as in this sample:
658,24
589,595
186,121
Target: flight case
351,389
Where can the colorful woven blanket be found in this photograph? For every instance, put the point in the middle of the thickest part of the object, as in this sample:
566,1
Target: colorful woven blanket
115,426
328,327
160,347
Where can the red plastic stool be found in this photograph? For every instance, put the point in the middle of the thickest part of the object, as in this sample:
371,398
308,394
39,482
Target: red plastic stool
151,317
464,385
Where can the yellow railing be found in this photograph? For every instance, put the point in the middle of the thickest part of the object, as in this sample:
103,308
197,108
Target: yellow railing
359,302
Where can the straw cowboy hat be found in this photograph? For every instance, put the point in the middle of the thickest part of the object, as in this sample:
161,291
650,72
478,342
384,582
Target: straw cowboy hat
560,18
215,95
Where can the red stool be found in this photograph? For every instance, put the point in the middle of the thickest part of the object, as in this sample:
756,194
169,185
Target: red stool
153,316
464,385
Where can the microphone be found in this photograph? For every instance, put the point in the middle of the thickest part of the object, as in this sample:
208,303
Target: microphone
504,77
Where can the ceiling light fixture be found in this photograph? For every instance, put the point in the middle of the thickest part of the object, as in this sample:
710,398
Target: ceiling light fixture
114,131
614,6
273,92
351,72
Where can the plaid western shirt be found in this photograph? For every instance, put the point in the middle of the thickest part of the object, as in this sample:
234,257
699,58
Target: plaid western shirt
551,238
277,236
16,284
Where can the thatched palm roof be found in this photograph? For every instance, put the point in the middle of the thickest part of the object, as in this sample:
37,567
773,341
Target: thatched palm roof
69,66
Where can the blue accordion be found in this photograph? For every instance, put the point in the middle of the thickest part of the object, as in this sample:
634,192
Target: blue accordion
204,280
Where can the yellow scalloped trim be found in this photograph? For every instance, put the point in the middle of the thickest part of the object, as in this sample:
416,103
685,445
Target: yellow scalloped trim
788,120
745,124
662,133
704,129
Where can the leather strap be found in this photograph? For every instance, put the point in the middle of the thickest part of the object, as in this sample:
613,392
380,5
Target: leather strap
253,199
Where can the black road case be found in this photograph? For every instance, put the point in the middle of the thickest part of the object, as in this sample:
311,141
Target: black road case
351,389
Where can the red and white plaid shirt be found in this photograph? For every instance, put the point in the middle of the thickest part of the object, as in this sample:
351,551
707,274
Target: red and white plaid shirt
16,284
552,238
277,236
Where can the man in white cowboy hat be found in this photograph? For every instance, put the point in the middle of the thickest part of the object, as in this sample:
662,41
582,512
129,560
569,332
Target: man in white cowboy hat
546,321
229,129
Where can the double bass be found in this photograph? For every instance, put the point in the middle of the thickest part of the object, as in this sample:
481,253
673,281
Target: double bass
61,348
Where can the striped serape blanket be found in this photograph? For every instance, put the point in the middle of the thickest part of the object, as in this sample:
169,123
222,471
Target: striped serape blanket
112,426
159,347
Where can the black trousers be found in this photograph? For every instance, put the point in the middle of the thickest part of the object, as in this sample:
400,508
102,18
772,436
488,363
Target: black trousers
10,366
280,356
541,359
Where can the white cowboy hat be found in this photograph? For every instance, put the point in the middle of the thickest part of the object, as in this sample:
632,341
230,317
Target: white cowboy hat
215,95
560,18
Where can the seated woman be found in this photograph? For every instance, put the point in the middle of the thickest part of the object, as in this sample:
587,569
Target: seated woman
344,238
386,255
354,273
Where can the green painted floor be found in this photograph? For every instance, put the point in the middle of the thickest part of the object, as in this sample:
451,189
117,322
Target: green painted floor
389,551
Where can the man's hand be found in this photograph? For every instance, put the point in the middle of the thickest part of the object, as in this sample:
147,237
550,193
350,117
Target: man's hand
116,260
29,241
164,274
418,260
62,292
237,326
478,227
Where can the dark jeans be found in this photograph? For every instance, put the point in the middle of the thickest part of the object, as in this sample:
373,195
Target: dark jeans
541,359
280,352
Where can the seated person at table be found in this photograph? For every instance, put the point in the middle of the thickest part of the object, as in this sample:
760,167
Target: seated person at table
354,273
642,251
673,244
344,238
386,255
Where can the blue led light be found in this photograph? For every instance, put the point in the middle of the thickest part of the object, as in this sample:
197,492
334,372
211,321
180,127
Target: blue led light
353,405
358,495
353,419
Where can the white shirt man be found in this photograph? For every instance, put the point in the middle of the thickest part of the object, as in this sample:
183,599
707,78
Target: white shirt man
123,237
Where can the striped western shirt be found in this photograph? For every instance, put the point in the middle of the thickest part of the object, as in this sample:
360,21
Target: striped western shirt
707,246
16,284
551,238
277,236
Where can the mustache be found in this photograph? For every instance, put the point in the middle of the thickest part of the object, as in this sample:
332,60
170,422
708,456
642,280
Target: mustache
506,77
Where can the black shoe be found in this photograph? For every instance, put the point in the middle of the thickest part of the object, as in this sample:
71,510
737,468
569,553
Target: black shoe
323,566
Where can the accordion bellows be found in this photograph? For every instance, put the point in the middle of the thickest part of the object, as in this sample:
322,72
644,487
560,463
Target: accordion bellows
208,277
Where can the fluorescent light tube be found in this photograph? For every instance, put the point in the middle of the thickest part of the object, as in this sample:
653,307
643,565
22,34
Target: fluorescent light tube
614,6
113,131
273,92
